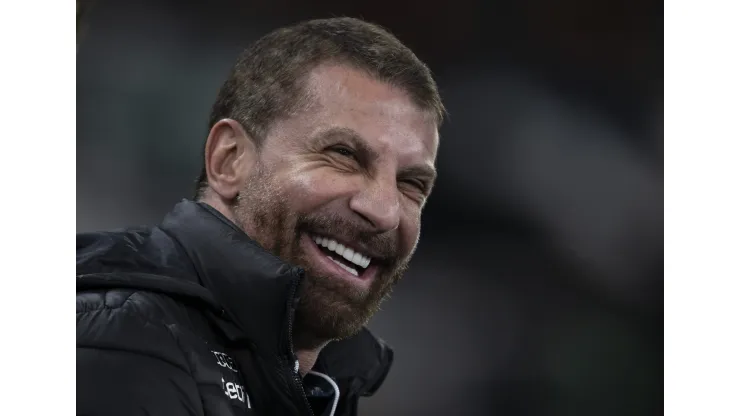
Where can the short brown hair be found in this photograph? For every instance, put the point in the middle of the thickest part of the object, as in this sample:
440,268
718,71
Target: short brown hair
266,83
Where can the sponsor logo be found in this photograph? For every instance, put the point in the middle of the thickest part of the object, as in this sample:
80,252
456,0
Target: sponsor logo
225,361
235,392
232,389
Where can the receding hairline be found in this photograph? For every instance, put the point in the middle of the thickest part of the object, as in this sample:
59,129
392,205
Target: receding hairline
307,97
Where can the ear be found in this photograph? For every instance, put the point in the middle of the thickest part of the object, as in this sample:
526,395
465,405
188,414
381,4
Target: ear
230,155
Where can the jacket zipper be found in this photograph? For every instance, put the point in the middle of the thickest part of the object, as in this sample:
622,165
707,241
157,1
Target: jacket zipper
297,382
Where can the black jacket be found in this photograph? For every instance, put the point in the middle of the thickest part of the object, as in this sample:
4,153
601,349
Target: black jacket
194,318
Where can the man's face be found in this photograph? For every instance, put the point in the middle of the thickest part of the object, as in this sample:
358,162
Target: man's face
338,190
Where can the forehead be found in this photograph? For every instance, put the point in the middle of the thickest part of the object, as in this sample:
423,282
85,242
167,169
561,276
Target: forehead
383,115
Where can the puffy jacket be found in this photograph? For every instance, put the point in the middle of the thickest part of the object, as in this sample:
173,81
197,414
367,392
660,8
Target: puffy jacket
193,318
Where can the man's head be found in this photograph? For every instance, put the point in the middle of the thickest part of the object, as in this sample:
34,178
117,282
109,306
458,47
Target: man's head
323,141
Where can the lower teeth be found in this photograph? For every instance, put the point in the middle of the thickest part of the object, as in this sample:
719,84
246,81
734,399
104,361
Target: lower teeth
345,267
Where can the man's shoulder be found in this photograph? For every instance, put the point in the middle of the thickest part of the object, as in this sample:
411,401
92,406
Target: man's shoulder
126,303
136,248
138,321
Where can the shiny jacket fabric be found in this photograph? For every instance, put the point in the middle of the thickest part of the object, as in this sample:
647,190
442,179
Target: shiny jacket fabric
194,318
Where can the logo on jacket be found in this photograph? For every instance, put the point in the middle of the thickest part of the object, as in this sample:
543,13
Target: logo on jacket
225,361
236,392
232,389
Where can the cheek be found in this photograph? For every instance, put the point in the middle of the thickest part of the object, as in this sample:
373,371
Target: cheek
312,189
410,230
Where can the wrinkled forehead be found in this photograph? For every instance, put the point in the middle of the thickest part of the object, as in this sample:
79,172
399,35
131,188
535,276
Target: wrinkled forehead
384,115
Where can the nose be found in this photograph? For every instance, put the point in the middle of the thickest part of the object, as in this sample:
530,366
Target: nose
378,204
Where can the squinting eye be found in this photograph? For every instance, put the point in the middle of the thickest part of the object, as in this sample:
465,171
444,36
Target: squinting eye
417,184
343,151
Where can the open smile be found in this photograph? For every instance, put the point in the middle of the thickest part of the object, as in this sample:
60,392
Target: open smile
339,259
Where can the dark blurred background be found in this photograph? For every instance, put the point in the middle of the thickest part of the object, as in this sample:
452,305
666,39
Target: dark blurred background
538,284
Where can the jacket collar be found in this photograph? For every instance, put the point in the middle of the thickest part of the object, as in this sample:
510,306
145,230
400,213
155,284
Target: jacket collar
259,292
253,286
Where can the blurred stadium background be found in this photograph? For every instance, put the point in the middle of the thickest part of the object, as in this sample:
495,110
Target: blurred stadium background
538,285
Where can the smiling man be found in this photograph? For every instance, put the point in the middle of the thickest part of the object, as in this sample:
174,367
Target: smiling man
253,298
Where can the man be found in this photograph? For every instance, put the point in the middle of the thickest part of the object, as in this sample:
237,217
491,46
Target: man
253,298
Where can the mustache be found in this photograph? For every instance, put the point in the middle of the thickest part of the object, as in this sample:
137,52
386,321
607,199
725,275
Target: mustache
383,247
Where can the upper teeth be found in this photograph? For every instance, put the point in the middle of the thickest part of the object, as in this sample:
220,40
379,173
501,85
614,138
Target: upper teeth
346,252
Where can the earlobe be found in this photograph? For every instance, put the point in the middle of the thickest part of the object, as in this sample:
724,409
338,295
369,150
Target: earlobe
229,155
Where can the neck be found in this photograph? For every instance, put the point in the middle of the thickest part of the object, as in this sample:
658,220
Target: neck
307,349
218,204
306,360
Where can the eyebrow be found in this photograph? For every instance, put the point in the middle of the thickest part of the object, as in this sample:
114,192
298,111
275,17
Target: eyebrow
420,171
366,152
351,136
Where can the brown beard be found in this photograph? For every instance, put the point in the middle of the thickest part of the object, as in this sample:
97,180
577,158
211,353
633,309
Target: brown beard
328,308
